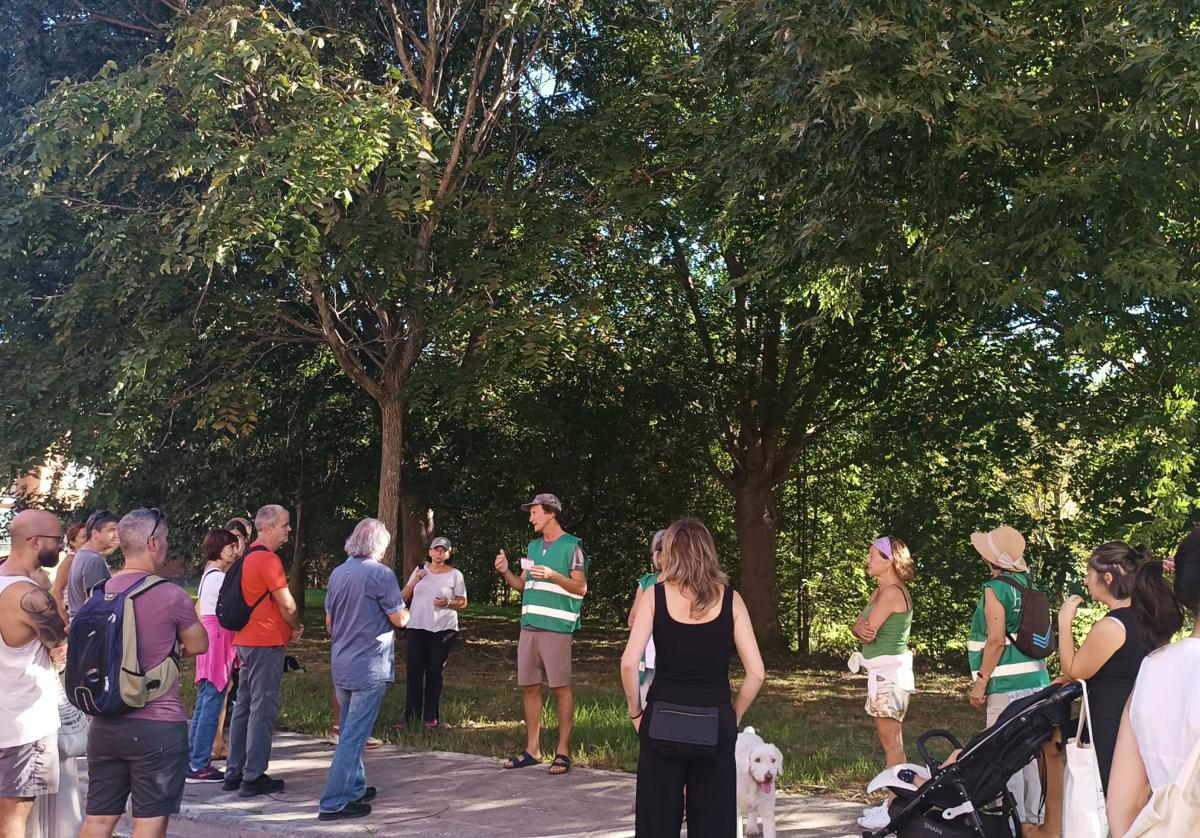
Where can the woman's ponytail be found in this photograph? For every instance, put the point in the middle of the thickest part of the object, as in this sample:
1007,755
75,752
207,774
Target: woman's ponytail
1155,605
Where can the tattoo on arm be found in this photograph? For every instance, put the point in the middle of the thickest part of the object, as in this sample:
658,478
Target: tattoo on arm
41,614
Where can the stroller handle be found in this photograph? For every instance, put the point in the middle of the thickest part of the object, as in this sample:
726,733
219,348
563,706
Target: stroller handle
936,733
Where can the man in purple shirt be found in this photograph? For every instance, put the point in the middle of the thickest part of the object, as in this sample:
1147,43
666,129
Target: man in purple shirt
143,755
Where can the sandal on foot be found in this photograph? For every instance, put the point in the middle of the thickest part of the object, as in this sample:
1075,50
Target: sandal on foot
521,760
561,764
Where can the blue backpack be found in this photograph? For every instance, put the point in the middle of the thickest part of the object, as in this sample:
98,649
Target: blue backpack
104,676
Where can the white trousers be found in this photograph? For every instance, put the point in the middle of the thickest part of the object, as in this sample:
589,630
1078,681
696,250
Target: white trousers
1025,785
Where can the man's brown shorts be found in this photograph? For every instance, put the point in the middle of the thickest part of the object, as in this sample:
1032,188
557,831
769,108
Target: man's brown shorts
29,770
544,655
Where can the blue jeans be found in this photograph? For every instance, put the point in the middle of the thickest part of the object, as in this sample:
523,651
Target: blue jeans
347,779
203,731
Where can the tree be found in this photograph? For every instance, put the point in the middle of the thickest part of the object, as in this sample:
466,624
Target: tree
813,175
258,178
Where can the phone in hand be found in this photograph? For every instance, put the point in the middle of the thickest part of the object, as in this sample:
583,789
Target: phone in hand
1076,587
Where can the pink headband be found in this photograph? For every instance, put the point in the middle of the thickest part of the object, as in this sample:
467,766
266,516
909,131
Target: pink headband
884,545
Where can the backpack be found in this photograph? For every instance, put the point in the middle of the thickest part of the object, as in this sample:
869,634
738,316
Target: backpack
104,676
233,612
1035,634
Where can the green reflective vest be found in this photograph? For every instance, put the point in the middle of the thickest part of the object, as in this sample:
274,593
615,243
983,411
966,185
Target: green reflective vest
1015,671
545,605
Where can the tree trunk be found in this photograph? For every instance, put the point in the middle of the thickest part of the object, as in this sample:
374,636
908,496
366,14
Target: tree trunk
757,518
391,456
416,521
298,572
808,527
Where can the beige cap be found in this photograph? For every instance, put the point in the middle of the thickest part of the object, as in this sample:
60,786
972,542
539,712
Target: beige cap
1004,547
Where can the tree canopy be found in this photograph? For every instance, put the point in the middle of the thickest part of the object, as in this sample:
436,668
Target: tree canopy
811,272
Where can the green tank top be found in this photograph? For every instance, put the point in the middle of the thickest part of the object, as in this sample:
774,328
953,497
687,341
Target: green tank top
892,637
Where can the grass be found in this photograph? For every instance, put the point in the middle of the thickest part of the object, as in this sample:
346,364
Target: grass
813,713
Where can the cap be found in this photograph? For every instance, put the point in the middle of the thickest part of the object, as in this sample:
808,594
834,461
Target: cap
440,541
1003,547
544,500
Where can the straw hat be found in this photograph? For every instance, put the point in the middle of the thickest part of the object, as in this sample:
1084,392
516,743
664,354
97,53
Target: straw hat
1003,547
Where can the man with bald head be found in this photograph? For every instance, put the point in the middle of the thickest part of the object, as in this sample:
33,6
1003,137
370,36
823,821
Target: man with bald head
274,622
32,639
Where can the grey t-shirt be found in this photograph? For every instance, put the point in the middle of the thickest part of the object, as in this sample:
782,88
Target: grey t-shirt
362,593
427,616
88,569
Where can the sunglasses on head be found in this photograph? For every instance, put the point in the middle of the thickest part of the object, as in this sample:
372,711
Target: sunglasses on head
158,519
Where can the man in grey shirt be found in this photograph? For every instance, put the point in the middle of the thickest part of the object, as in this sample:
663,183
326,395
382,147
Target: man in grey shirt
362,609
89,568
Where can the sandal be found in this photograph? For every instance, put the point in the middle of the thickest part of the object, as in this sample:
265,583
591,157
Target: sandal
561,764
521,760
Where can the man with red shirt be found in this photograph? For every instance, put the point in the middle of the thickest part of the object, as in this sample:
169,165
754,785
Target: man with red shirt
260,646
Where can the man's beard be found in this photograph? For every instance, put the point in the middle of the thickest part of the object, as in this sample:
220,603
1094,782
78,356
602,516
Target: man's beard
48,557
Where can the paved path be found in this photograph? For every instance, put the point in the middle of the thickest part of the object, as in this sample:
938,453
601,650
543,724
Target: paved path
432,795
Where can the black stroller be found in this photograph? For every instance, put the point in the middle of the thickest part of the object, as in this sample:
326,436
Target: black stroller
968,797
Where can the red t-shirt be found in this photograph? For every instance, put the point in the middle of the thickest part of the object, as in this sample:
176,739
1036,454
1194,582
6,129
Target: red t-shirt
262,572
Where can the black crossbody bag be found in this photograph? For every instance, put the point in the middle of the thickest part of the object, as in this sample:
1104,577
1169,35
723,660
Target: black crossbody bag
678,731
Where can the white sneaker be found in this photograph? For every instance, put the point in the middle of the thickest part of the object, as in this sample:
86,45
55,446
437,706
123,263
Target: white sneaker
876,818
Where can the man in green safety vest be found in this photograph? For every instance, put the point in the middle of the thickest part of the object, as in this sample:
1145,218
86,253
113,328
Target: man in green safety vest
552,582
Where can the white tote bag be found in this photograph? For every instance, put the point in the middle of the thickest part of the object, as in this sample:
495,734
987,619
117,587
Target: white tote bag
1083,793
1173,811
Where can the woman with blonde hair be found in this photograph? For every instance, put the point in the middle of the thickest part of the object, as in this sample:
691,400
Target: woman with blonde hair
688,728
883,627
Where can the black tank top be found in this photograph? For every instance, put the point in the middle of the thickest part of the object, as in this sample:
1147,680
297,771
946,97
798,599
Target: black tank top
1110,687
692,659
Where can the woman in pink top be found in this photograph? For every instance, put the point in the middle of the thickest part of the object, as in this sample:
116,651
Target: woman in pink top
221,550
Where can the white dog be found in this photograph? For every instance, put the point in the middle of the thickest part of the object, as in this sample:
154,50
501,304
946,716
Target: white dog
758,766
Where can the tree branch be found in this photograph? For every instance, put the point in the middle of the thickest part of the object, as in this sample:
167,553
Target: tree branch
122,24
345,357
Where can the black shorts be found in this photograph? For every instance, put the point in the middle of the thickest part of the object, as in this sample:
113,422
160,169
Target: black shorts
139,758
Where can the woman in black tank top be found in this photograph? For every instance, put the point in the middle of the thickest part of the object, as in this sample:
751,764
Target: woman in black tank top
691,683
1112,653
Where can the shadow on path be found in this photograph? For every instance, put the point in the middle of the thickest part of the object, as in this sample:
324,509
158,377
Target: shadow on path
431,794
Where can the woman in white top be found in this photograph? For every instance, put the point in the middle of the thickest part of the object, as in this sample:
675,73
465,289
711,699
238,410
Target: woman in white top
435,593
221,549
1161,725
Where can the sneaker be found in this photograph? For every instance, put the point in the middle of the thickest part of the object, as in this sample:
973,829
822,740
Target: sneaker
876,818
353,809
368,795
207,774
400,727
436,725
263,785
233,782
373,744
332,738
882,807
